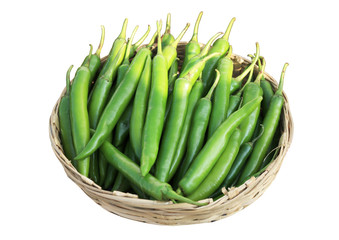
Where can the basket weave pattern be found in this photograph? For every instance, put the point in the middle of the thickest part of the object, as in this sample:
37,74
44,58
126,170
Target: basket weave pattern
157,212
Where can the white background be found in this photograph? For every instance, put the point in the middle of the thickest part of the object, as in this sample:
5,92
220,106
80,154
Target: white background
40,39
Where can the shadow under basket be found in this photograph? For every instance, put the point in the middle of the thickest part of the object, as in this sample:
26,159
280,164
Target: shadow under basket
168,213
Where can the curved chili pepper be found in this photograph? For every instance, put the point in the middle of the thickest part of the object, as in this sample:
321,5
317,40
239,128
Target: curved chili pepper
199,126
148,184
221,168
220,46
136,45
79,114
213,149
270,123
65,122
155,116
194,97
222,93
192,48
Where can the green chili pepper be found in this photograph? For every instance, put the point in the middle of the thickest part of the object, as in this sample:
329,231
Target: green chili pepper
193,47
117,103
103,165
270,123
172,76
220,46
218,173
238,164
266,88
65,122
235,99
175,122
122,69
118,42
199,125
170,51
155,116
167,38
139,108
191,66
95,61
251,91
222,93
213,149
79,114
194,96
148,184
112,172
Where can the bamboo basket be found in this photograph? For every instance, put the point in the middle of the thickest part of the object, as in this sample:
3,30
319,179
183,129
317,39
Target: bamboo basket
167,213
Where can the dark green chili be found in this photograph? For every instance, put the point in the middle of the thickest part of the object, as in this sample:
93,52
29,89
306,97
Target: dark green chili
213,149
103,165
220,46
193,47
167,38
194,97
139,108
199,125
65,122
221,95
271,120
155,115
221,168
79,114
266,88
172,76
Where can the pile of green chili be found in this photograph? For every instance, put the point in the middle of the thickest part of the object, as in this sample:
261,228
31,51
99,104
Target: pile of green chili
136,123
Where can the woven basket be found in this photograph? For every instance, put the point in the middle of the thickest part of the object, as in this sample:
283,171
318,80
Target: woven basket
157,212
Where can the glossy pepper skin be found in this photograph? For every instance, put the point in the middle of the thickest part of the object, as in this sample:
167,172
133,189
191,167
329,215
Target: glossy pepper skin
220,170
65,122
270,123
194,97
155,115
79,114
221,95
139,109
213,149
199,126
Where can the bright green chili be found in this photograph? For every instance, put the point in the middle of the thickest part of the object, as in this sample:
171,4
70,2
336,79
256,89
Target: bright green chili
95,60
199,126
65,122
79,114
251,91
271,121
167,38
117,103
222,93
170,51
139,108
221,168
136,45
194,97
213,149
193,47
155,115
221,46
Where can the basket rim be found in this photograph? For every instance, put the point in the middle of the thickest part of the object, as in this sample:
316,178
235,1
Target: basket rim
230,195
